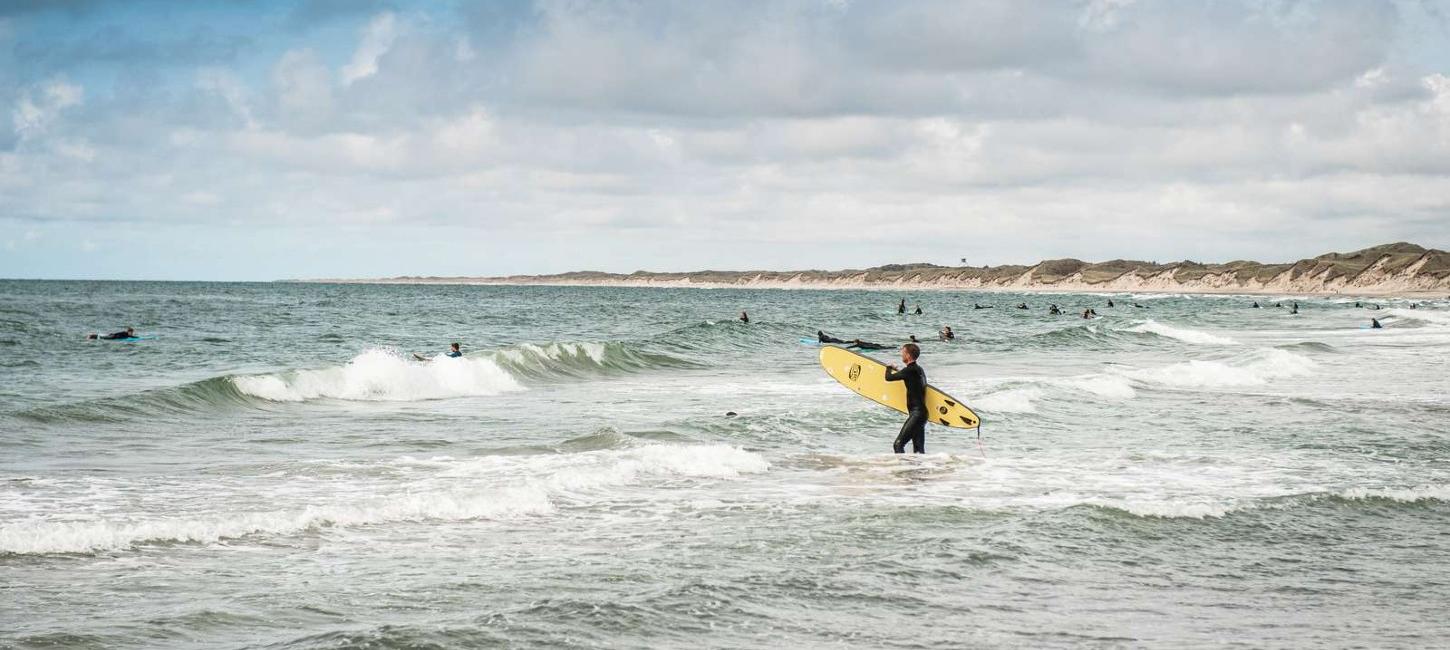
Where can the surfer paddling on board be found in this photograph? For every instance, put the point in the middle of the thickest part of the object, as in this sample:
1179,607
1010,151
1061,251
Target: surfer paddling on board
452,353
914,429
129,333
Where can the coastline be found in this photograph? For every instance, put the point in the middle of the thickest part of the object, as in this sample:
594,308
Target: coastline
1399,270
1115,289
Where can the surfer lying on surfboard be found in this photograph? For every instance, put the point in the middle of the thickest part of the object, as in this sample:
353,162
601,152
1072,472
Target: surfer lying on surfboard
129,333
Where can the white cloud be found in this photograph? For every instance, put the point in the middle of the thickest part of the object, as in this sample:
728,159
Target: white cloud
39,107
377,39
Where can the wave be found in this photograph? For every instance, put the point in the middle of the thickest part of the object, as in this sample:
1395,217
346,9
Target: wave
1182,334
1012,400
1426,316
539,486
1255,370
567,360
384,375
208,395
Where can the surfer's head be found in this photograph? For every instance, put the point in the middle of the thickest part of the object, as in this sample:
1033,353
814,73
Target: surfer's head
910,352
131,330
454,346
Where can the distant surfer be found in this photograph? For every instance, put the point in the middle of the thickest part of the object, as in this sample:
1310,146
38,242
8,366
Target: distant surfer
866,345
823,337
977,306
1295,308
1256,305
744,317
453,353
1022,305
918,310
946,333
1374,324
1053,310
1110,302
128,333
901,308
914,429
912,338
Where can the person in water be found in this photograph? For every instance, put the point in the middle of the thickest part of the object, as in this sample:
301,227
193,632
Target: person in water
822,337
1256,305
911,338
918,310
1110,302
1294,309
914,429
452,353
866,345
744,317
901,308
1022,306
1374,324
947,334
1054,311
129,333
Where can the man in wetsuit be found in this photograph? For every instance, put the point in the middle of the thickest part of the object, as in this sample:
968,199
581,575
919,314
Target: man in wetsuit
918,310
744,318
901,308
453,352
866,345
914,429
130,333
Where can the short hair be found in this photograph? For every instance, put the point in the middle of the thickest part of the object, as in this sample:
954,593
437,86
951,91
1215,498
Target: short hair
913,349
454,345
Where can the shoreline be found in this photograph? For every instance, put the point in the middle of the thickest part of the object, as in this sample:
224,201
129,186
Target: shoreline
901,286
1399,270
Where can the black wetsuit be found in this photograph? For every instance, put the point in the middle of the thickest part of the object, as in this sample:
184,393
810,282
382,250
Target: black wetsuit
863,345
118,336
915,427
823,337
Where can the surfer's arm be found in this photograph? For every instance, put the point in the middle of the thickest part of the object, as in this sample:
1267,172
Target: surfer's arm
892,374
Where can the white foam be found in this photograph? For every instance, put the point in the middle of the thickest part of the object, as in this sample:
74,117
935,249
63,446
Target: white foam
1171,509
1265,365
88,536
1014,400
1182,334
1101,385
521,486
385,375
1405,495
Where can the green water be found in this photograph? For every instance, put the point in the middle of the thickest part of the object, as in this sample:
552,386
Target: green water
276,470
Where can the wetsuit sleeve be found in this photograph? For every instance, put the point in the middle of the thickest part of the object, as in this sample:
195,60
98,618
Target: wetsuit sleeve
895,376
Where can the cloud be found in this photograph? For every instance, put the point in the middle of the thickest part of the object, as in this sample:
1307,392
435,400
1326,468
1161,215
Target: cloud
588,133
377,38
39,107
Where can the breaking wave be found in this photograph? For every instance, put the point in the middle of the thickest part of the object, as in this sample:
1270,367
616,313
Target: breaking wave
1182,334
531,486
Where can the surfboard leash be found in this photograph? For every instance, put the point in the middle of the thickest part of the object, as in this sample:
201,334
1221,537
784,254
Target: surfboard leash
980,448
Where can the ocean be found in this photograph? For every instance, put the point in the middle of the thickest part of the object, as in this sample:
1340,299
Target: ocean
276,470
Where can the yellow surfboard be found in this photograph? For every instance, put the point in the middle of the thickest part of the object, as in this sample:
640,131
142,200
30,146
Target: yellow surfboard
867,377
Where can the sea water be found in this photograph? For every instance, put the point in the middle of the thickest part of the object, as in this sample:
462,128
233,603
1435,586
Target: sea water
277,470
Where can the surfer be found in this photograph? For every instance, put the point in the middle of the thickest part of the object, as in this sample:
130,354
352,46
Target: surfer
918,310
1374,324
1294,309
977,306
1053,310
912,338
1022,305
1256,305
1110,302
946,333
452,353
744,317
822,337
866,345
914,429
129,333
901,308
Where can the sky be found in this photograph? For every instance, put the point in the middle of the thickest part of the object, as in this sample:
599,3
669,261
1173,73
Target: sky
253,140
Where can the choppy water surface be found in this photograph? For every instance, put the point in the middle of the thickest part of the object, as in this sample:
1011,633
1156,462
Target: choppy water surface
276,471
